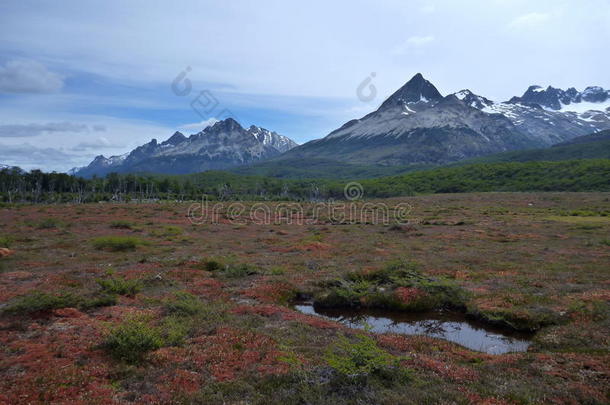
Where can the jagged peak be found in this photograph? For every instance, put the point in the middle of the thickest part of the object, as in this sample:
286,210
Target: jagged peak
415,90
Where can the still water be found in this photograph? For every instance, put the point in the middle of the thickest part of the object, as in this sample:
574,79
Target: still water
453,327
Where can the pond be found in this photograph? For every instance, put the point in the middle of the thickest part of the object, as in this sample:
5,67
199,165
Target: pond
451,326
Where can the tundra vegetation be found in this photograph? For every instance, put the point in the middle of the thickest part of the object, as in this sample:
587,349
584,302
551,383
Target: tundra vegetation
131,303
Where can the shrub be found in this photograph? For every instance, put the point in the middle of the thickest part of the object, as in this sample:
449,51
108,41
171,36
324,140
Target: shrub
175,330
399,285
121,224
362,358
184,304
49,223
6,241
168,231
239,270
212,265
132,340
117,243
120,286
39,301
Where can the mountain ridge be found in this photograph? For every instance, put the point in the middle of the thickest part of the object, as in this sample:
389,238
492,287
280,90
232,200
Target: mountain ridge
219,146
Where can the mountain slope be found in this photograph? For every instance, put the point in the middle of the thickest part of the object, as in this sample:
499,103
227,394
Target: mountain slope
223,145
418,126
594,146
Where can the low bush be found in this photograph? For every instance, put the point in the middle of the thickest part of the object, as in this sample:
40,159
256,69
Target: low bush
121,224
132,340
120,286
50,223
184,304
117,243
40,301
6,241
168,231
399,285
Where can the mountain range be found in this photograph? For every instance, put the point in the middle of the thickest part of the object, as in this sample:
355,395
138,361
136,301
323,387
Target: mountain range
416,126
219,146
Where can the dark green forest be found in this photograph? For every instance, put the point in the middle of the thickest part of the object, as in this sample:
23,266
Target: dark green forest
18,186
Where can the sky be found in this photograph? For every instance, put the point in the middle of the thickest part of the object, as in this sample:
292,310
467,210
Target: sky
84,78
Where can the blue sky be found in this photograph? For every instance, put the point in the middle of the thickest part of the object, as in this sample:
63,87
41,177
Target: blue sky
82,78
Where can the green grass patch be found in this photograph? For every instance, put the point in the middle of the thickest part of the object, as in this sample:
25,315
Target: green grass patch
6,241
167,231
41,302
120,286
121,224
132,340
117,243
400,285
50,223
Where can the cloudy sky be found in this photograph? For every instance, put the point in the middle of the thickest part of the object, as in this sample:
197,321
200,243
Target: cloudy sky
82,78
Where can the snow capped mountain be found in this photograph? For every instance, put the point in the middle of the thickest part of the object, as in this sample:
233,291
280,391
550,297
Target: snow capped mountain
222,145
592,98
534,113
417,125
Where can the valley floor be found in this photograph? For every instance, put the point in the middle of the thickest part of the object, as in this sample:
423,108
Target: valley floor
132,303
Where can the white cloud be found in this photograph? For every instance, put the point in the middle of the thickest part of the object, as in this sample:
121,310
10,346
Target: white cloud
97,143
198,126
28,76
26,130
530,20
28,157
415,41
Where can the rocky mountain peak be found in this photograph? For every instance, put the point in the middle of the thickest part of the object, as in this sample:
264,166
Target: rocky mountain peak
415,90
175,139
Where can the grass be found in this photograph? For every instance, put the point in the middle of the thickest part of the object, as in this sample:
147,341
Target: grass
132,340
117,243
399,285
120,286
121,224
6,241
37,301
50,223
360,358
228,336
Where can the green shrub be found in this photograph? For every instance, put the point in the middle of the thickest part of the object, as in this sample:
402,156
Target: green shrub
362,358
120,286
184,304
212,265
39,301
49,223
168,231
239,270
175,330
121,224
132,340
382,289
6,241
117,243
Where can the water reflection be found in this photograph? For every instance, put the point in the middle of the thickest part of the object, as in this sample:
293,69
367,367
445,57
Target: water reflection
453,327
